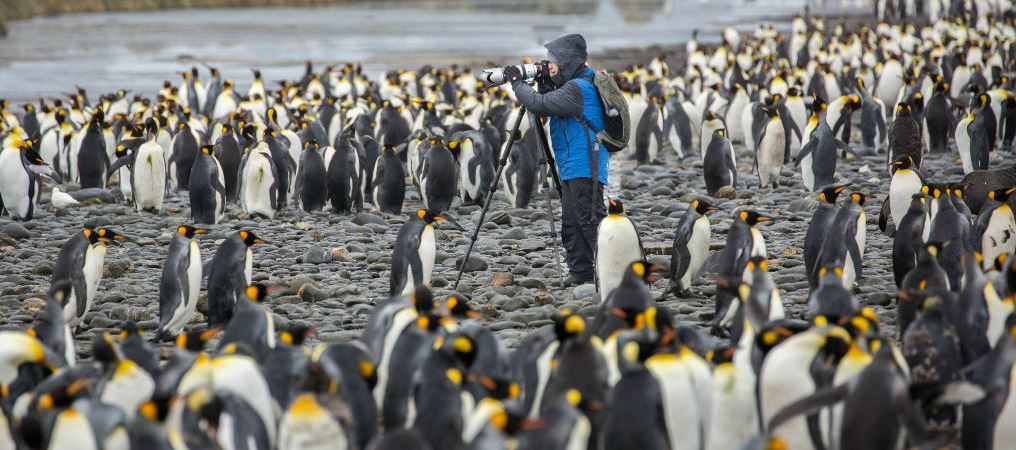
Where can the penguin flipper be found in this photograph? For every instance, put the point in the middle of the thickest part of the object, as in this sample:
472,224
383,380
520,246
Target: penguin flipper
855,255
883,215
805,151
845,147
416,265
809,405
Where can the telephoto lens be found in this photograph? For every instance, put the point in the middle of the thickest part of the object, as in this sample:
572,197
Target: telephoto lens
495,76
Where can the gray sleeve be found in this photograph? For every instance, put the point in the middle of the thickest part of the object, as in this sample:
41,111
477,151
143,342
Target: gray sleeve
565,101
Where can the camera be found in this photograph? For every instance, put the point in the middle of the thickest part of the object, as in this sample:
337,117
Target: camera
495,76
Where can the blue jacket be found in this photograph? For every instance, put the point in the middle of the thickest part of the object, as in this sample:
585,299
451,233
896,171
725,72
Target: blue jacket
570,138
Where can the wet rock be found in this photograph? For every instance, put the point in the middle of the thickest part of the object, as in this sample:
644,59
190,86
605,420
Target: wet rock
543,298
585,291
500,218
98,221
44,268
16,231
366,218
473,264
316,255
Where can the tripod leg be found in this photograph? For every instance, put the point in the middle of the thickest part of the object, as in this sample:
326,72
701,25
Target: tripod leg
552,170
490,193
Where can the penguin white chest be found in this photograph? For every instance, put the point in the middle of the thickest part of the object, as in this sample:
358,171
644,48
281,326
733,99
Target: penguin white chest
427,252
698,248
1005,433
617,246
1000,234
14,181
785,377
904,184
733,407
758,243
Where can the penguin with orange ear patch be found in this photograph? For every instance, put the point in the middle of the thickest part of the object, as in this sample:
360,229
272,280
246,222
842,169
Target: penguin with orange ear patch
207,188
415,249
229,275
181,281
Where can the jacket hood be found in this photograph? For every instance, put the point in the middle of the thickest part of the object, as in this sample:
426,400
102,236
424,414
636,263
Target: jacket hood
569,53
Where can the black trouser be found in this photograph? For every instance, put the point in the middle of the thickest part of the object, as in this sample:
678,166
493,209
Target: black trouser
580,219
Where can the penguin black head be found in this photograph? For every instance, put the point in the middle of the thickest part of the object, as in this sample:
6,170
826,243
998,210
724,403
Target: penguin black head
1001,195
104,350
858,197
194,341
130,329
206,149
818,104
249,238
188,231
91,235
615,207
428,216
644,270
757,262
934,248
428,321
903,162
830,193
64,396
719,133
463,347
311,144
105,235
257,292
457,307
568,324
422,298
903,109
296,334
702,206
753,217
722,354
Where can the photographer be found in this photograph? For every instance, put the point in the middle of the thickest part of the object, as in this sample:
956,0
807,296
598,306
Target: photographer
567,95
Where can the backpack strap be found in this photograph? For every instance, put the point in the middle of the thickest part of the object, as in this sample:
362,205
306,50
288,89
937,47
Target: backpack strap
593,146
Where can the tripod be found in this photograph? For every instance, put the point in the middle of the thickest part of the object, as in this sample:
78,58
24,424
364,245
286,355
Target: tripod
541,137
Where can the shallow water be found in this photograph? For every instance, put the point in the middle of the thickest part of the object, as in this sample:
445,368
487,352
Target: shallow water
103,52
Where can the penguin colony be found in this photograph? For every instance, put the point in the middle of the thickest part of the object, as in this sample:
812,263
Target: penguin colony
428,373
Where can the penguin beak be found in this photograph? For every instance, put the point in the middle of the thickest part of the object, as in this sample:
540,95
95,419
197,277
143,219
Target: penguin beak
260,241
764,218
200,231
712,208
453,223
841,188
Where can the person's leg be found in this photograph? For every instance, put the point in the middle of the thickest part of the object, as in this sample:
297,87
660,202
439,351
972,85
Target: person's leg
571,233
588,213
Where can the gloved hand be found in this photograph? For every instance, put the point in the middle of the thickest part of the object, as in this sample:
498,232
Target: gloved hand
512,73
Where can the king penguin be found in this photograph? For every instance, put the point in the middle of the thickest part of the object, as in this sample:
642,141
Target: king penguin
618,244
181,282
770,148
259,183
312,177
388,187
905,182
81,261
691,246
439,177
20,168
719,168
413,256
821,220
207,188
229,274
